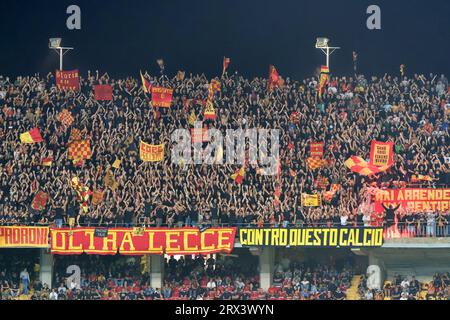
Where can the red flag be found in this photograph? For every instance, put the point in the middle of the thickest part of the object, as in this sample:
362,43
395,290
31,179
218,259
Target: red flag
274,78
239,175
162,97
226,63
103,92
39,201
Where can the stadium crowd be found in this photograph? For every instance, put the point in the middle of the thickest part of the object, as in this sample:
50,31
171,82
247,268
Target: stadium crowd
408,288
410,111
186,278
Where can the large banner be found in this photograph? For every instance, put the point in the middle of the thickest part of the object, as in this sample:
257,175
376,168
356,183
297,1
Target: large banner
381,153
415,200
161,97
312,237
150,241
151,153
68,80
24,237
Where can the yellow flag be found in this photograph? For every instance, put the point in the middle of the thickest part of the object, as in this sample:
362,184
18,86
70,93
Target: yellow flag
116,164
192,118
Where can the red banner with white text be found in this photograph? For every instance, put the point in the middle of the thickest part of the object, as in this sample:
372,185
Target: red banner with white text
317,149
162,97
68,80
125,241
415,200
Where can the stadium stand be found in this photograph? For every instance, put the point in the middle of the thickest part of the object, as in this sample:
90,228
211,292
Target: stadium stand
412,112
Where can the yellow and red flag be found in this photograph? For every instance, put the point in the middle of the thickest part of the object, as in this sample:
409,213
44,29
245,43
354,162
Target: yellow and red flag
65,117
210,112
47,162
75,135
32,136
315,163
328,195
162,97
83,193
151,153
324,69
79,150
239,175
146,86
360,166
213,88
324,78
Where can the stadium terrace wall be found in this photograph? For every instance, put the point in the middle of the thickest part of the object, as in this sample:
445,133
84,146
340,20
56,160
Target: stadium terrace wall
182,241
338,237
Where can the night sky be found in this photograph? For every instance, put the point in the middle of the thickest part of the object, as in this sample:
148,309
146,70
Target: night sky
123,36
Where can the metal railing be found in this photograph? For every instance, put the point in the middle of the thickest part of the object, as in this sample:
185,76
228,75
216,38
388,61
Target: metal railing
400,230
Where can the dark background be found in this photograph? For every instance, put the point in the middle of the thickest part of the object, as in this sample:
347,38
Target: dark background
123,36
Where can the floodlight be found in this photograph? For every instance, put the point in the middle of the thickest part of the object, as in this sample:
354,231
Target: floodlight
322,43
55,43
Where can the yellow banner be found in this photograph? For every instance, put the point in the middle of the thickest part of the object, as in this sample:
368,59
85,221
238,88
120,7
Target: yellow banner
24,237
311,200
152,153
